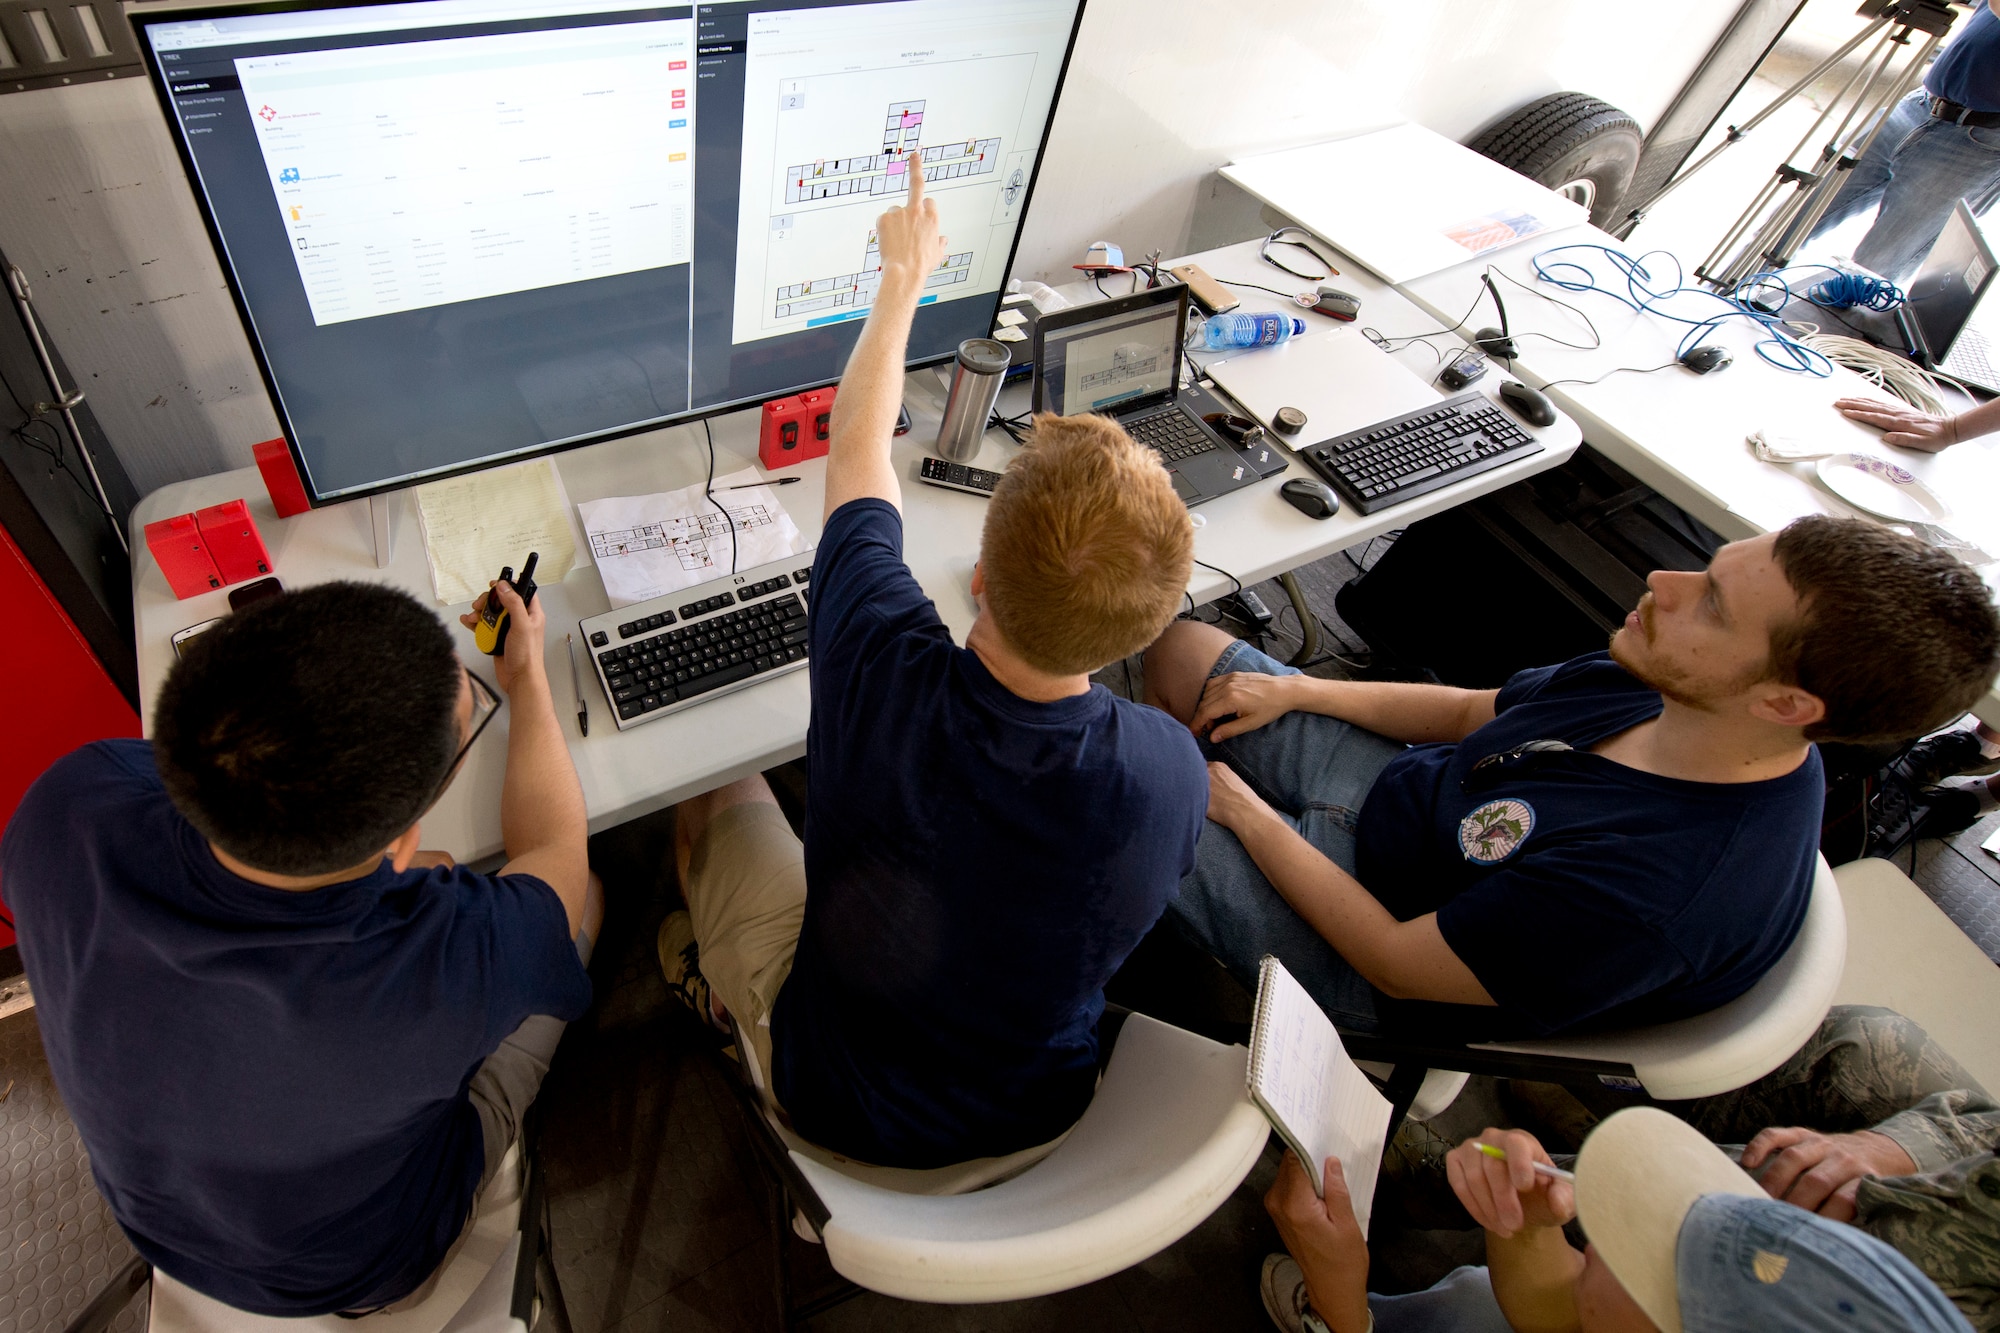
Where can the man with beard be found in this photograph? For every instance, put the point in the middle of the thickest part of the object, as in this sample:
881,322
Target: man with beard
1625,838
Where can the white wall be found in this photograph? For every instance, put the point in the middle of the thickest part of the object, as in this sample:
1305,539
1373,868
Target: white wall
95,207
1161,92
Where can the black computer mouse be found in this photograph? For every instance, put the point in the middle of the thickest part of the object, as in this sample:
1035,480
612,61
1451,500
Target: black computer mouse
1531,405
1701,360
1314,499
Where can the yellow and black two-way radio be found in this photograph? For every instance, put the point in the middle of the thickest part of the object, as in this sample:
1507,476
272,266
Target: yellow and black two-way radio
491,631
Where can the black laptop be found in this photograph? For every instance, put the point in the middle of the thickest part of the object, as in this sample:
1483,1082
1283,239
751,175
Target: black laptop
1947,318
1122,358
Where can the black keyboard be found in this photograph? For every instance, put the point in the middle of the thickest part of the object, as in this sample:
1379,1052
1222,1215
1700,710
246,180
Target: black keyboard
1173,434
1395,460
688,647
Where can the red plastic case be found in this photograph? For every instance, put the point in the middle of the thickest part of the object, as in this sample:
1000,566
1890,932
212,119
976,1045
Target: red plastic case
233,541
176,543
281,478
795,429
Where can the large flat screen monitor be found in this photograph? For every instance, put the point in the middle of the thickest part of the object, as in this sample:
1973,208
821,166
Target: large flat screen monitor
465,231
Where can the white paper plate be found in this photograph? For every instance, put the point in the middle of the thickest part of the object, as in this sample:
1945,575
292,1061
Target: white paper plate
1877,486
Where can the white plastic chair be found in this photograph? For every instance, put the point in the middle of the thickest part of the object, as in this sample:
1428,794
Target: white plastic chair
1701,1056
490,1285
1170,1133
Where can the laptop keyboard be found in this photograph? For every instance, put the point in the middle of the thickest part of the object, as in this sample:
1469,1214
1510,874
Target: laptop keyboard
1970,358
1173,435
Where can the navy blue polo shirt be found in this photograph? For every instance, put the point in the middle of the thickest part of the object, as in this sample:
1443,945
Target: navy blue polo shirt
1967,71
271,1085
977,867
1583,893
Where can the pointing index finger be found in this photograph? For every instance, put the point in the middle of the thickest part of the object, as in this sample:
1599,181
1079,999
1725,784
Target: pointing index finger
915,157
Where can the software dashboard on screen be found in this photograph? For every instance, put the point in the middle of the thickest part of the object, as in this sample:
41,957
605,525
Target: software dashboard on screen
461,231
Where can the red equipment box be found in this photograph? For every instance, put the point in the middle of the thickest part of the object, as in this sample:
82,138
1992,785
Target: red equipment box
176,543
281,478
797,428
233,542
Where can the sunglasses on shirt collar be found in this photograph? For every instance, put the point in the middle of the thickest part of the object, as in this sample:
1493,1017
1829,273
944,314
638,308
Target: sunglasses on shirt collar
1490,771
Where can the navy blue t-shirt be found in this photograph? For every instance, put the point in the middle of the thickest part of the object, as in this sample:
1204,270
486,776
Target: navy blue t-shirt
1967,71
271,1085
978,865
1583,893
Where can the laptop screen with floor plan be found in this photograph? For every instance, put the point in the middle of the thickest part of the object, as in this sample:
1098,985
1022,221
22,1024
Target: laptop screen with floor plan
464,231
1104,363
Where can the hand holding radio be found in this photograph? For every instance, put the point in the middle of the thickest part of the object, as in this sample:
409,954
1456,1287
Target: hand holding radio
507,624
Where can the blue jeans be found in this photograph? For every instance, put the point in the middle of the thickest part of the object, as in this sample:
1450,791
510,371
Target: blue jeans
1461,1302
1916,169
1316,772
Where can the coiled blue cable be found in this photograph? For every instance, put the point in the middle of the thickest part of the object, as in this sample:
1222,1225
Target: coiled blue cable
1649,295
1842,291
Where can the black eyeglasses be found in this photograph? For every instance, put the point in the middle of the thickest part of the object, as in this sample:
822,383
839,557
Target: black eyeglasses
1490,771
1278,237
486,703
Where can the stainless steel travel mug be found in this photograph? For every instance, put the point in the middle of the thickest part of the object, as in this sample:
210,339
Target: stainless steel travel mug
975,386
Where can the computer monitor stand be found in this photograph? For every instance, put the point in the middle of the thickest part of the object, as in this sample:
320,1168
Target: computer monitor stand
379,507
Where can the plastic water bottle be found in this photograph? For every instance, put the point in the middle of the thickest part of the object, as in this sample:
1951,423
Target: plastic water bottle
1263,328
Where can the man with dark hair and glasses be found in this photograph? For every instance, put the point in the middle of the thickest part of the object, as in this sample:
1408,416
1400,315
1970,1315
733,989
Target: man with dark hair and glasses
1621,839
295,1045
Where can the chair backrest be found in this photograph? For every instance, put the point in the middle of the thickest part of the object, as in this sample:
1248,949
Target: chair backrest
474,1293
1169,1134
1743,1040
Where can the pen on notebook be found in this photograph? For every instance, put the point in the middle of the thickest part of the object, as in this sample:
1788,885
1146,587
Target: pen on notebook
775,481
1552,1172
576,683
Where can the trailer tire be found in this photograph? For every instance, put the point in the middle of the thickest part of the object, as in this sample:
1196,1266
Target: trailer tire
1578,146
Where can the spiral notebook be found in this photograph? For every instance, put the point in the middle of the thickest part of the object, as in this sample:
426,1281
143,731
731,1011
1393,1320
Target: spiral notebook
1318,1099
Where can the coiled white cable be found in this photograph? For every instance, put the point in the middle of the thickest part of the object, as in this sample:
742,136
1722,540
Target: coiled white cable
1880,367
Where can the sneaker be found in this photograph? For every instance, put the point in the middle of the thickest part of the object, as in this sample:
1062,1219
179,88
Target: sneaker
1413,1184
1946,755
1949,811
1981,791
1283,1287
680,961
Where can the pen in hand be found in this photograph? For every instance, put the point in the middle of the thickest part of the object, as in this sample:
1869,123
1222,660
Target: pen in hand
576,683
1552,1172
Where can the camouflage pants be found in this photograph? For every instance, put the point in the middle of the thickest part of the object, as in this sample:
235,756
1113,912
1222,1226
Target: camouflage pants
1859,1069
1862,1066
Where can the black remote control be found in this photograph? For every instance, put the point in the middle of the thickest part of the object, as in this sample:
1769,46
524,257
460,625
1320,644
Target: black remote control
958,477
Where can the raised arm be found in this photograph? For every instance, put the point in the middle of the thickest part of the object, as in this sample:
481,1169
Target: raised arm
871,392
542,817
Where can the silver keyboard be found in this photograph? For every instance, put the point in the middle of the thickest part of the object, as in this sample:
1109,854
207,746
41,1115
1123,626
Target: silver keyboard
1970,360
673,652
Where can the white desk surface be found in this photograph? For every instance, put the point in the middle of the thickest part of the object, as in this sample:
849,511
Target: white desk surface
1253,533
1684,434
1390,198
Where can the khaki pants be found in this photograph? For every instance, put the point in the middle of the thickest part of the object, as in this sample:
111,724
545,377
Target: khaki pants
746,894
502,1089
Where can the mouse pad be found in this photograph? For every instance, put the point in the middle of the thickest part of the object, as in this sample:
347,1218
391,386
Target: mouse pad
1339,379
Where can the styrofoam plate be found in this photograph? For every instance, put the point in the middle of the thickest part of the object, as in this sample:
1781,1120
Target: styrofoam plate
1876,486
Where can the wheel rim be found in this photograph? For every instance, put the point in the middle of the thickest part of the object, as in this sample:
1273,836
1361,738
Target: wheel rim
1582,190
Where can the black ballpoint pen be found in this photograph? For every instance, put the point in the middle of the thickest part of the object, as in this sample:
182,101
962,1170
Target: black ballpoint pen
576,683
751,485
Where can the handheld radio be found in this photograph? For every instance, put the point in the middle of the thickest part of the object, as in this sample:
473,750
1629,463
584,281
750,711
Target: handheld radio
491,631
